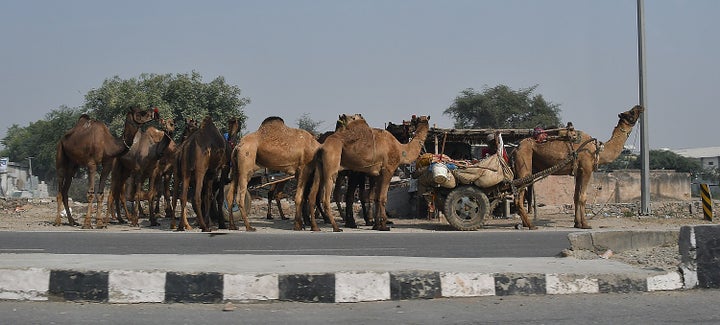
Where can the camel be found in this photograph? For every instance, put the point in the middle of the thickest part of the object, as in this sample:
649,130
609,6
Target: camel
361,148
141,163
201,160
531,156
89,144
355,181
277,147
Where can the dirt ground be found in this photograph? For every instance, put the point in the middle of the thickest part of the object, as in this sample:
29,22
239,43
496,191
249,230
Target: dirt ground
39,215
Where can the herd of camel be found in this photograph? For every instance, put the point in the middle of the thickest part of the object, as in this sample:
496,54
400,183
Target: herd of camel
207,162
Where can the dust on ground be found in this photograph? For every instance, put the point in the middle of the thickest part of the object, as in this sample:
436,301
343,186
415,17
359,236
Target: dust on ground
39,215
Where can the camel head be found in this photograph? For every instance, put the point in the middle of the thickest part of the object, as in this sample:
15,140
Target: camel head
142,116
415,121
345,119
168,125
631,117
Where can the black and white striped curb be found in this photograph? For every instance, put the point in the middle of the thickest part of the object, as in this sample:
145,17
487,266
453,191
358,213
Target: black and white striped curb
337,287
700,255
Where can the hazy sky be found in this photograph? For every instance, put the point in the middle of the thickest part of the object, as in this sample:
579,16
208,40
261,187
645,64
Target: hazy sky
385,59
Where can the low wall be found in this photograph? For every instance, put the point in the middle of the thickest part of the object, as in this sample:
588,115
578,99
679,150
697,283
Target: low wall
615,187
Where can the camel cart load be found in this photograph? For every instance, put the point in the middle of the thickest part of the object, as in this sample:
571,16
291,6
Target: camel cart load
466,189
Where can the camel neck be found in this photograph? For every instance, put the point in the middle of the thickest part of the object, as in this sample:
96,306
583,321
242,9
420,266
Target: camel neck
614,146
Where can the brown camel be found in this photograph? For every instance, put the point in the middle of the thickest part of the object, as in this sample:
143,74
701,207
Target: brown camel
191,125
201,161
355,181
533,156
141,163
89,144
361,148
277,147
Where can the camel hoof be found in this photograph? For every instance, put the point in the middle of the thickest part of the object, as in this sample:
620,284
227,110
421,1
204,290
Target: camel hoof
296,228
533,228
337,230
583,226
269,218
251,229
385,228
206,230
87,227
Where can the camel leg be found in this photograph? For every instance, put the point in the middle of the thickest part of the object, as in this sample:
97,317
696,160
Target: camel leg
152,193
92,169
337,196
184,224
381,188
230,201
100,219
241,194
520,205
312,199
62,196
200,204
279,190
306,175
270,195
352,184
582,179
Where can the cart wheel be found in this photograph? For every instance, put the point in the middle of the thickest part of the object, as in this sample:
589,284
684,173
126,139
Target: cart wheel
466,207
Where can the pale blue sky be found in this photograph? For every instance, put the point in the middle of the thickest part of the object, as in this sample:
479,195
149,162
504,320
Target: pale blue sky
385,59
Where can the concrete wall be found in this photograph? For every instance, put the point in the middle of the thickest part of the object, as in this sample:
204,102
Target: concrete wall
615,187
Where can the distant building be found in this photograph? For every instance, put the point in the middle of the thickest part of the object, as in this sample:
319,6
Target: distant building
709,157
15,181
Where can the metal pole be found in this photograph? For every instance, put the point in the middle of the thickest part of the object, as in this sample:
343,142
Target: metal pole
30,172
644,145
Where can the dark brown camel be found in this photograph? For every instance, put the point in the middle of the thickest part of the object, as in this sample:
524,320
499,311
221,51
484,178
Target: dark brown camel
361,148
532,156
90,144
201,161
141,162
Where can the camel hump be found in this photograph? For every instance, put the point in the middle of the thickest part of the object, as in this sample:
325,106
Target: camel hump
273,119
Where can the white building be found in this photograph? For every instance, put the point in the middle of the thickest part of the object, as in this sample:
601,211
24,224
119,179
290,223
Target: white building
709,157
15,181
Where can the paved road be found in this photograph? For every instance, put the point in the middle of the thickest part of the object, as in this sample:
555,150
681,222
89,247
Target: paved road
440,244
678,307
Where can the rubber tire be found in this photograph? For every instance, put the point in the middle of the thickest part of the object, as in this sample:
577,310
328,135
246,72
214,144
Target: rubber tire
466,208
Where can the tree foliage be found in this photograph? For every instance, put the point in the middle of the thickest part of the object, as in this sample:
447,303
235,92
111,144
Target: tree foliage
658,159
179,97
308,124
503,107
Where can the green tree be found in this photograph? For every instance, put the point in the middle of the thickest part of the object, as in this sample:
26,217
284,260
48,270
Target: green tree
180,97
503,107
39,140
177,96
659,159
308,124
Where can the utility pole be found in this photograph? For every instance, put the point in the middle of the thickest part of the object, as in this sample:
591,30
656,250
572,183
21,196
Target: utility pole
30,172
644,146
